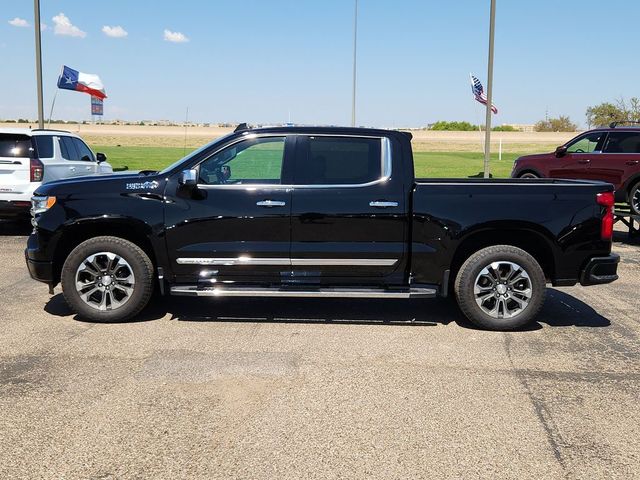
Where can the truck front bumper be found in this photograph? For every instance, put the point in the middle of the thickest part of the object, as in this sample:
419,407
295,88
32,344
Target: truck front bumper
39,264
599,270
41,271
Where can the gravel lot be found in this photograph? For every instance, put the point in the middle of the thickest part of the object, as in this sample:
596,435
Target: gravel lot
290,388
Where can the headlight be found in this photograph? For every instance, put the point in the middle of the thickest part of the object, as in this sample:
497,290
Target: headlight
41,204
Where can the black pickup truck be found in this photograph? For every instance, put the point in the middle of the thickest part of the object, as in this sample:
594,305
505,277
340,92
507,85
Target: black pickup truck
318,212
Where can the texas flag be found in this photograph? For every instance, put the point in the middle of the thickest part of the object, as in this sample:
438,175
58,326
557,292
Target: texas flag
71,79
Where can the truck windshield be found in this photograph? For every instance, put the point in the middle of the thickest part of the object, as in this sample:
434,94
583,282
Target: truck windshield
175,164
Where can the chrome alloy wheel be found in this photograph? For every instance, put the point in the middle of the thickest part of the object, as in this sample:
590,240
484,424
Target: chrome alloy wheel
105,281
503,289
529,175
635,201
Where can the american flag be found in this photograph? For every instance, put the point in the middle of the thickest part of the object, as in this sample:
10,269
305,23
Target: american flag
478,92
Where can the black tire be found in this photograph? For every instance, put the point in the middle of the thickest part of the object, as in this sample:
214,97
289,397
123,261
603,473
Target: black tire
136,265
470,274
528,175
634,199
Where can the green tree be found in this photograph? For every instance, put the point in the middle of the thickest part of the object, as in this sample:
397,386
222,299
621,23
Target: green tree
453,126
603,114
560,124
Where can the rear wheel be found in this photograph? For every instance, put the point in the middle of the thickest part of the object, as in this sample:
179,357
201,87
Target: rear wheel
107,279
500,287
528,175
634,199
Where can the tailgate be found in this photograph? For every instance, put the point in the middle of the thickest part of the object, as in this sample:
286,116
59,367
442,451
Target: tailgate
15,153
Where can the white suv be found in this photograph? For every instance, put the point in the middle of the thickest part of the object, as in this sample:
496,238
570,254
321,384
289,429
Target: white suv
29,158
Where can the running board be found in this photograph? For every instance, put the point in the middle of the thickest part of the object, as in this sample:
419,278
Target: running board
195,291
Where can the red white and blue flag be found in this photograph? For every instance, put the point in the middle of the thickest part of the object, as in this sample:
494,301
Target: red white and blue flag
478,93
71,79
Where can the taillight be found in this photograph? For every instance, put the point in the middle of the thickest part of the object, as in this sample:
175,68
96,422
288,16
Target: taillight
37,170
607,200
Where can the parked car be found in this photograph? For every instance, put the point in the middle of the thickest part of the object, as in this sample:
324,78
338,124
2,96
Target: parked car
608,154
29,158
318,212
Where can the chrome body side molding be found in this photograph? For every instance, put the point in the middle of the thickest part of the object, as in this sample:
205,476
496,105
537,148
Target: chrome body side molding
296,262
199,291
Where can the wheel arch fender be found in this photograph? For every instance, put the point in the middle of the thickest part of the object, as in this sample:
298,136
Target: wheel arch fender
128,228
531,238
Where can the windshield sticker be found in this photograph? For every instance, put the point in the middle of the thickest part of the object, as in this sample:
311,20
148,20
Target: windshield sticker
142,185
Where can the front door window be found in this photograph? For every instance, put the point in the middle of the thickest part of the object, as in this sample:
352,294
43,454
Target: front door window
252,161
591,142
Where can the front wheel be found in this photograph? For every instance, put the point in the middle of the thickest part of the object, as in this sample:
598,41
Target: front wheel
634,199
107,279
500,287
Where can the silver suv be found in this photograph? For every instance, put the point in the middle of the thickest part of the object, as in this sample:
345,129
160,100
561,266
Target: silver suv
29,158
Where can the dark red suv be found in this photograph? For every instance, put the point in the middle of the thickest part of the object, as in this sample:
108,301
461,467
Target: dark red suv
608,154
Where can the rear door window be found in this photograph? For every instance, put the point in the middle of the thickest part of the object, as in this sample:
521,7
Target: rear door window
44,144
15,145
68,149
340,161
623,142
85,153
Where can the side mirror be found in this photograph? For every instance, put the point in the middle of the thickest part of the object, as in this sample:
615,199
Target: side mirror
101,157
188,178
561,151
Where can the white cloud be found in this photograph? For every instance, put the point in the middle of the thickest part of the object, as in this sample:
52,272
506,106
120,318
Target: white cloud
19,22
43,26
115,32
175,37
63,26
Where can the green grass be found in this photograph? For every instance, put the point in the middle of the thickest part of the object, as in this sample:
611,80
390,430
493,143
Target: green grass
427,164
141,158
460,164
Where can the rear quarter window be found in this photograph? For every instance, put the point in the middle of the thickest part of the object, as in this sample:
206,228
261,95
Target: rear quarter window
15,145
44,145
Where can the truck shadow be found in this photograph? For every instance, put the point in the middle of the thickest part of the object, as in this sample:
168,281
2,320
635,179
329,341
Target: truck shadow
560,310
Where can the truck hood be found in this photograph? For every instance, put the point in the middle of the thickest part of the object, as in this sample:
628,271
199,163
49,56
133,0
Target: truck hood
128,182
536,156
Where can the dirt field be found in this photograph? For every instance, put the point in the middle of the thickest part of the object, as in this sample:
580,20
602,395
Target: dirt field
423,140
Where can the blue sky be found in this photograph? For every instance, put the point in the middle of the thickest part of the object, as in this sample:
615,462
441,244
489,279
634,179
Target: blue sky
259,60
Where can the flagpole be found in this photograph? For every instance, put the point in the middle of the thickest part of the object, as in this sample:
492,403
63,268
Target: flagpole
36,27
487,125
355,44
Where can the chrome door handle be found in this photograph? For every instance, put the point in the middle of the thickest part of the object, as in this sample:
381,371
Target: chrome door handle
632,162
72,169
583,162
270,203
382,204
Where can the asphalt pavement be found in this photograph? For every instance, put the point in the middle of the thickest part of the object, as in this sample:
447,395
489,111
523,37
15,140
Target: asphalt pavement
308,388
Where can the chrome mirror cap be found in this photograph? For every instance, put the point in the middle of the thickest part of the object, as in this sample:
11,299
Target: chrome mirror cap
189,177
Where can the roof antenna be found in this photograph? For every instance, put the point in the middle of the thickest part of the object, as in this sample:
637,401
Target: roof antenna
241,127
